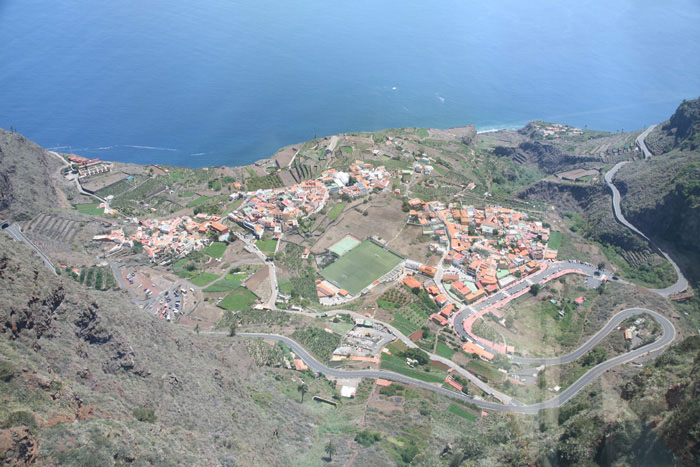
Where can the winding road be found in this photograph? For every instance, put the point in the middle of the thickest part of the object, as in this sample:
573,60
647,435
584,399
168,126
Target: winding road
669,334
15,232
681,283
640,354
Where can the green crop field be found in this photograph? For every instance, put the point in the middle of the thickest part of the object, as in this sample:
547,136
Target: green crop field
444,351
238,300
405,326
90,209
485,370
266,246
285,286
216,249
336,210
398,365
203,279
361,266
461,411
198,201
554,240
228,283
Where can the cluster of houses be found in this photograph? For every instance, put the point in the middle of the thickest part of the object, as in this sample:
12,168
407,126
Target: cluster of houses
487,249
360,180
177,237
89,167
278,209
555,130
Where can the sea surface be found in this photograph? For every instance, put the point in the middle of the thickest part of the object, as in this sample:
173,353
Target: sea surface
227,82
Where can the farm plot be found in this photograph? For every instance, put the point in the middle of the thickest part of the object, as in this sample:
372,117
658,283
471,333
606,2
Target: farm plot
238,300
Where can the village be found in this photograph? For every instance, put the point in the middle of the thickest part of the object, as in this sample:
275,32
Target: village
478,259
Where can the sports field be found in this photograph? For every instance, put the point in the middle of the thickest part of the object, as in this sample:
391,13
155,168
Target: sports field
360,266
346,244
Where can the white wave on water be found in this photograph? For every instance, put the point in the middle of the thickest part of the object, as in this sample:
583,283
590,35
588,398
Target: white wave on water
440,98
152,148
198,154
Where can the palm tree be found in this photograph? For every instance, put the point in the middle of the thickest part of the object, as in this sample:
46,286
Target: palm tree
303,389
330,450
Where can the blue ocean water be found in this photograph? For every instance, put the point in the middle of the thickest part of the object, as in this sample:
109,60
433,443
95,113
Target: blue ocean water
227,82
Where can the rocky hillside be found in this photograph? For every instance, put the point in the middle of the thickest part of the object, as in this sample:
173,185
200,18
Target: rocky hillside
662,195
548,158
86,379
681,131
27,181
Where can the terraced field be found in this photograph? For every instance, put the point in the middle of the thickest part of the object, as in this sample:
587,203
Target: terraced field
57,228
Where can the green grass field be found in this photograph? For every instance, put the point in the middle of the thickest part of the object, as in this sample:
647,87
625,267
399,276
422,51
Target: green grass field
238,300
398,365
266,246
336,210
361,266
198,201
90,209
203,279
216,249
405,326
554,240
444,351
422,132
228,283
485,370
461,411
285,286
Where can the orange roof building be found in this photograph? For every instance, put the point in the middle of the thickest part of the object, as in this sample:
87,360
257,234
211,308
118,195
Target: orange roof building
323,291
412,283
470,347
439,319
440,300
460,289
427,270
219,227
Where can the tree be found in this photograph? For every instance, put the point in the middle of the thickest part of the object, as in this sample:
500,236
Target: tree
416,354
196,328
303,389
232,329
330,449
535,289
601,288
601,265
541,380
138,247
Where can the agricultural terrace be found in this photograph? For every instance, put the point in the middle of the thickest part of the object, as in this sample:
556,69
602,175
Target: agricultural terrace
361,266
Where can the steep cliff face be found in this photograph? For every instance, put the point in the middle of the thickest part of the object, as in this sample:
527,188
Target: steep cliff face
662,195
681,131
79,369
26,172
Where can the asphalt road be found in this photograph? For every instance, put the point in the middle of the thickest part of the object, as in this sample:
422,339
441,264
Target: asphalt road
642,145
682,283
552,268
16,233
669,334
560,399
